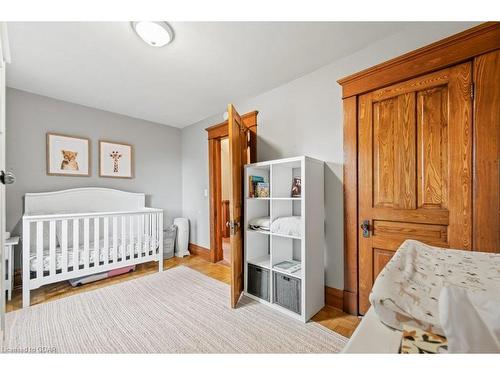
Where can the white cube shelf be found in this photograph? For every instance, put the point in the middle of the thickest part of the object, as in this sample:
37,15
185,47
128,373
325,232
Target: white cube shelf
265,249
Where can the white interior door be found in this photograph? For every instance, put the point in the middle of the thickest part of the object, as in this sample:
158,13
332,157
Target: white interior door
2,197
4,57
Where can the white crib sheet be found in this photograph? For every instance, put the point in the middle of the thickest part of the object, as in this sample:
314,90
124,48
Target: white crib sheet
153,245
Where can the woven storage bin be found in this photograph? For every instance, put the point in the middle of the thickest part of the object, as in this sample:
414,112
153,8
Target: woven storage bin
258,282
287,292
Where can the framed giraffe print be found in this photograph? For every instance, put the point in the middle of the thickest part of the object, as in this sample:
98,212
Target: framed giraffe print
116,159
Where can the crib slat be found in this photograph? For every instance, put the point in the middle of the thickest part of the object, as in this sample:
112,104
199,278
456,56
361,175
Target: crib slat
139,235
52,248
153,234
39,249
115,239
131,236
96,241
64,246
123,239
76,245
160,243
147,232
106,240
86,242
159,233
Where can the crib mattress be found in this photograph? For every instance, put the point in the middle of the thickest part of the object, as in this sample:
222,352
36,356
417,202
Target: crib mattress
153,245
408,288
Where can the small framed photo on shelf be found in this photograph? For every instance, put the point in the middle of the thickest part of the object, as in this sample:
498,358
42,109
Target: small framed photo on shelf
116,160
67,155
296,187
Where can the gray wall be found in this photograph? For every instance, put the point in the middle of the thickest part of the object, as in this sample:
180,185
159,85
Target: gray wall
157,149
302,117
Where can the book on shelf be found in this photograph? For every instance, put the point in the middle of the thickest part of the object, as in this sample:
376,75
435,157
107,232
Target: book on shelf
252,185
288,266
262,190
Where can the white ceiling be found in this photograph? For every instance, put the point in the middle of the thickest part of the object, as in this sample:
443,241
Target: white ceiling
105,65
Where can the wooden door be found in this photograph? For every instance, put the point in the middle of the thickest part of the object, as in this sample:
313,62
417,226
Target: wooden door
237,158
414,171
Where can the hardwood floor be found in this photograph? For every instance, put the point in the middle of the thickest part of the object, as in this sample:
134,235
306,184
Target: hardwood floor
329,317
226,251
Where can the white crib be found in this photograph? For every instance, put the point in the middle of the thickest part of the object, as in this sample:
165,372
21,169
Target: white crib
79,232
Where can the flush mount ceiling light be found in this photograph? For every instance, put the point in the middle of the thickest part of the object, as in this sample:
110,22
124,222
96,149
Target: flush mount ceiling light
156,34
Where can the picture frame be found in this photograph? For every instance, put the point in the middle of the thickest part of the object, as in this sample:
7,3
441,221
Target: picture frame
67,155
116,159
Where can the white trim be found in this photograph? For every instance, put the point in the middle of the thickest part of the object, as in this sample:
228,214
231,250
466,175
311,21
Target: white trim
4,44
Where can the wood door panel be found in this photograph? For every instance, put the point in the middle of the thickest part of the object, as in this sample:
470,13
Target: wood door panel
404,149
486,212
421,232
460,157
419,215
414,168
384,118
394,152
432,145
380,259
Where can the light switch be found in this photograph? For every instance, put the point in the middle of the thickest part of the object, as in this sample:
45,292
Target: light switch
205,193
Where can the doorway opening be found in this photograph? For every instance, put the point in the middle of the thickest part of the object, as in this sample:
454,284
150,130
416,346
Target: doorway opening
225,191
220,181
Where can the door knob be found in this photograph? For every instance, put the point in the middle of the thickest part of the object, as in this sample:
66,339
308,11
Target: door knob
233,226
7,178
365,227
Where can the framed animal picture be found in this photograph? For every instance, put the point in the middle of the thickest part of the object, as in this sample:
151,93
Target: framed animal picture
116,160
67,155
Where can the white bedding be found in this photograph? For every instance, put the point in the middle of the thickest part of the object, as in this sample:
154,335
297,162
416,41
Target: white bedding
371,336
480,331
408,288
46,257
287,225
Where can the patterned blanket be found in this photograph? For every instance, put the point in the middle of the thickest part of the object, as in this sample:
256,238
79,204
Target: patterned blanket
408,288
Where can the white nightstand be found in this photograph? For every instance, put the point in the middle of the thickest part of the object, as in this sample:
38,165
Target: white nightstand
8,255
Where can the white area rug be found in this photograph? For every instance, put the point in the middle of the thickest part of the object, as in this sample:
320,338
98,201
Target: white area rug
176,311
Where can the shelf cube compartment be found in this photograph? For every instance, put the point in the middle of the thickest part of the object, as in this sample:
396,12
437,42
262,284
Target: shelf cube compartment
283,177
262,172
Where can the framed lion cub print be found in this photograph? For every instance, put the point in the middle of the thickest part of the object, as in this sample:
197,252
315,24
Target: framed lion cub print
67,155
116,160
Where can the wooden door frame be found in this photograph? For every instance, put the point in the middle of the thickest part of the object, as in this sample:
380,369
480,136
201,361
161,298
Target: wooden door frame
215,135
450,51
